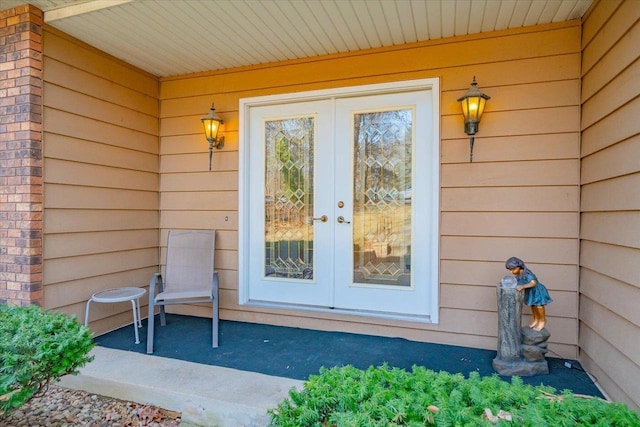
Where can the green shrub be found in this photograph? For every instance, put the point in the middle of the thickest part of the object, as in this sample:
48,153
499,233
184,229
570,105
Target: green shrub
384,396
36,348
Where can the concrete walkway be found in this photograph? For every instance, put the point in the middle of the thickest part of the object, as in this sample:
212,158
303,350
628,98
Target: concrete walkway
205,395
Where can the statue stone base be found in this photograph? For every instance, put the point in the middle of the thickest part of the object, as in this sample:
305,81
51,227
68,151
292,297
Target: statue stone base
534,344
531,361
521,368
521,350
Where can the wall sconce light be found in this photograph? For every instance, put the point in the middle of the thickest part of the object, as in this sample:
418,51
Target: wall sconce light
211,122
472,104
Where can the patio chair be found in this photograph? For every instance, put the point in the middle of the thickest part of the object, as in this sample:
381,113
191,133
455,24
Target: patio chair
189,278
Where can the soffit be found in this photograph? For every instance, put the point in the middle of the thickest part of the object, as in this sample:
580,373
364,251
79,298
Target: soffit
176,37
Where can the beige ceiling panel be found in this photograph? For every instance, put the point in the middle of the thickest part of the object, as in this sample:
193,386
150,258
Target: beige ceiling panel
169,38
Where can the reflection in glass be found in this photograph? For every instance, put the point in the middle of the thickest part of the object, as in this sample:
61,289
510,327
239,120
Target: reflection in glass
382,197
289,198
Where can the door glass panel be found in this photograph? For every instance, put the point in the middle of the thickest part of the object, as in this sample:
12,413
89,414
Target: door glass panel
382,197
289,145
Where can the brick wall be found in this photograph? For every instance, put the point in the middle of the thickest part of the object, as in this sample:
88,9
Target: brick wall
21,155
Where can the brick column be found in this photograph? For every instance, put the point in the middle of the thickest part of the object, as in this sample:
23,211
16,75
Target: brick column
21,156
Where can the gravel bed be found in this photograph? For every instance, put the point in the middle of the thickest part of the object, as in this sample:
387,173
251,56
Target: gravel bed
61,407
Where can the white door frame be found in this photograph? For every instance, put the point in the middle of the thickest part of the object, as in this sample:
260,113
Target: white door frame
432,85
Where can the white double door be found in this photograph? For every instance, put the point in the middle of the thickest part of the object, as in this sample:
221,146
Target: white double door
342,204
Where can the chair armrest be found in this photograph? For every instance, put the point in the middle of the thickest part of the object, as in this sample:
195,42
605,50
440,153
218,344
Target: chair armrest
215,285
155,279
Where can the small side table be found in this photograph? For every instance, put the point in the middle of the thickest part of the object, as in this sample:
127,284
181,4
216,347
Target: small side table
132,294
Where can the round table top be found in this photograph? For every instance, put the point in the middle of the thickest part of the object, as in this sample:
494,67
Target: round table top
118,294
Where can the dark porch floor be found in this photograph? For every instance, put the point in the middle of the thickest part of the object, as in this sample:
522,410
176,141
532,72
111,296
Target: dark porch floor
297,353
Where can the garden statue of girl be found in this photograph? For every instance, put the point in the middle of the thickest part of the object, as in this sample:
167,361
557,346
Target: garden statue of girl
535,293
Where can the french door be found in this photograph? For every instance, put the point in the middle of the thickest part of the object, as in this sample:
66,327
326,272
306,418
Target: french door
341,204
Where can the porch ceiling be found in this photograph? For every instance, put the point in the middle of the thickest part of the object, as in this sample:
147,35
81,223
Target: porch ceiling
185,36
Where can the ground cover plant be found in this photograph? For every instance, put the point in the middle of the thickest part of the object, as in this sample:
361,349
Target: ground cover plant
36,348
384,396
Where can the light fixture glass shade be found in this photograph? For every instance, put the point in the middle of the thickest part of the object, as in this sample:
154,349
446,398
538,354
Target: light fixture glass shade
211,122
472,103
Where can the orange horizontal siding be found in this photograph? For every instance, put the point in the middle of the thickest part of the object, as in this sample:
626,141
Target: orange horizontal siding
100,178
610,203
527,148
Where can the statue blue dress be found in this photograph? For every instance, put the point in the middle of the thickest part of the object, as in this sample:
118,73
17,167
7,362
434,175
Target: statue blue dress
538,295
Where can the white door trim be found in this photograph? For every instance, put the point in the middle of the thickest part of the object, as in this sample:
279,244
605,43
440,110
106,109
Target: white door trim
432,84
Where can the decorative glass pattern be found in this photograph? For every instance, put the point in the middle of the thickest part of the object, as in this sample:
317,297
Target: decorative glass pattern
289,198
382,197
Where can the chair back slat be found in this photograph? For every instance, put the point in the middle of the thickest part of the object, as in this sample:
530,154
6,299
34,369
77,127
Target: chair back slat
190,260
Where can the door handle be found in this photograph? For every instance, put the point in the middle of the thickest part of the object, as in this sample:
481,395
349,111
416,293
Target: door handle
323,218
341,220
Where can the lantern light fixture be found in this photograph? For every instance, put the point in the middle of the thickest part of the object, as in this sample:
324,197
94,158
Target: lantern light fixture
472,103
211,122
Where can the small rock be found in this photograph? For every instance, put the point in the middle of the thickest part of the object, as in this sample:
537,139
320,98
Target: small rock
533,353
531,337
60,407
